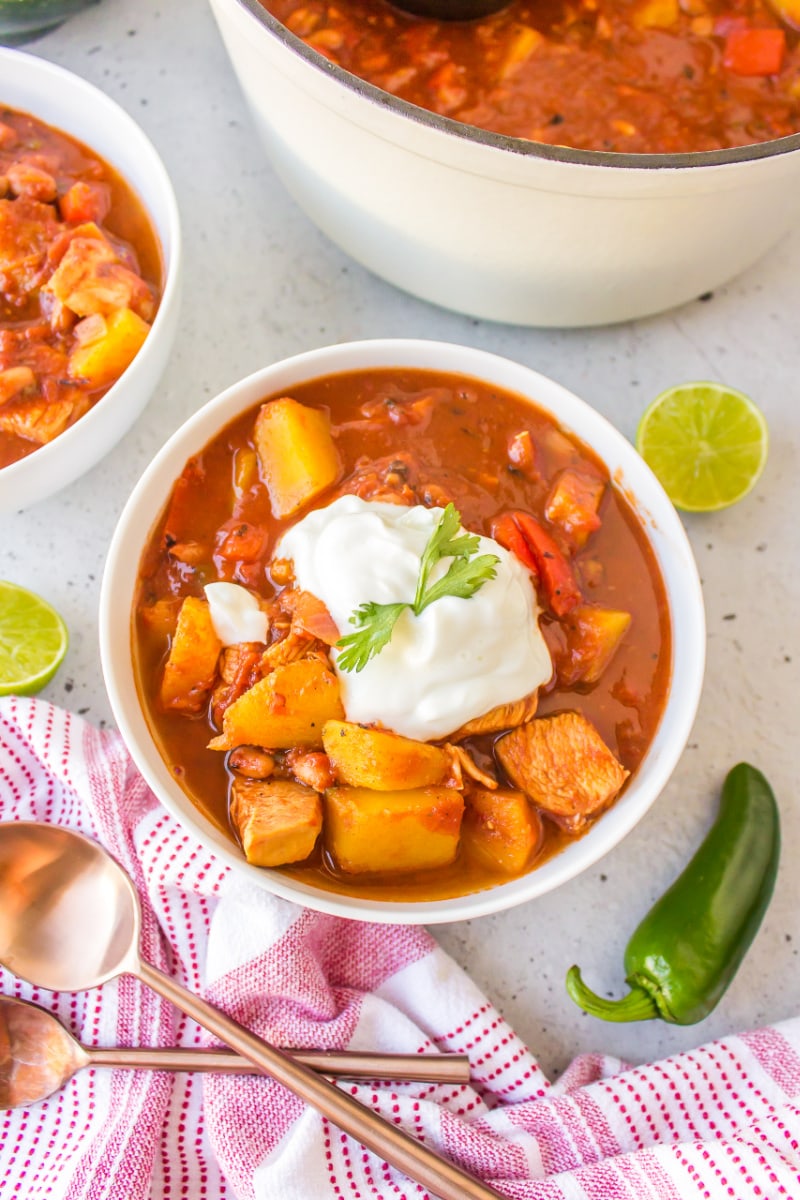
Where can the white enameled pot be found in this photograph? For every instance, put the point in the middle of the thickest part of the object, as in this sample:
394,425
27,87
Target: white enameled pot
498,227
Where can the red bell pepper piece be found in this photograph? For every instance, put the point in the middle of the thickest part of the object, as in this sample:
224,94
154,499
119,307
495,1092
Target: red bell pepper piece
85,202
522,534
241,542
754,51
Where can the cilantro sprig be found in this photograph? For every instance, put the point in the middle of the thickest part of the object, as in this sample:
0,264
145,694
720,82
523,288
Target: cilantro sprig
467,572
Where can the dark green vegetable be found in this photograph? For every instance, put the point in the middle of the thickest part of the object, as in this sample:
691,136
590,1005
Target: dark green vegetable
688,948
20,19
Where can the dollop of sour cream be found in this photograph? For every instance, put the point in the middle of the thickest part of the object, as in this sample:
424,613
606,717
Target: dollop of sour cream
456,660
235,614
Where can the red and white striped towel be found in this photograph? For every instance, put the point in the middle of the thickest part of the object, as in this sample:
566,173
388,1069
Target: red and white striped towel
722,1121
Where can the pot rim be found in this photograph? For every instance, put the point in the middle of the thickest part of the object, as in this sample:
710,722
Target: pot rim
503,142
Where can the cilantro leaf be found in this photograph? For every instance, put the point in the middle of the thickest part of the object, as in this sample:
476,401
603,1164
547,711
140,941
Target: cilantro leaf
375,623
463,578
465,575
446,541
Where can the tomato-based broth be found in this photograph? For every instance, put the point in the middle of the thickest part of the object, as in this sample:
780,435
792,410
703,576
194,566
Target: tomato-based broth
401,442
630,76
80,281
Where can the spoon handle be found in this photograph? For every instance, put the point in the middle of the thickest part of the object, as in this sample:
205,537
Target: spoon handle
350,1064
416,1160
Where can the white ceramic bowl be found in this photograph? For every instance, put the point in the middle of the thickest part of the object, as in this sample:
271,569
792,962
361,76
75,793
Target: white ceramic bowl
74,106
629,472
499,227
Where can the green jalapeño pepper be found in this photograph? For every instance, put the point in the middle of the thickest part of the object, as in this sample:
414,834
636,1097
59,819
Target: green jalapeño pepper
687,949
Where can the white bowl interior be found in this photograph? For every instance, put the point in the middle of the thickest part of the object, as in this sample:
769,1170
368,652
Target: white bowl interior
70,104
629,472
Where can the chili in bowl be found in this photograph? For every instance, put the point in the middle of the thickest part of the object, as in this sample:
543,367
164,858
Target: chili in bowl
402,631
89,276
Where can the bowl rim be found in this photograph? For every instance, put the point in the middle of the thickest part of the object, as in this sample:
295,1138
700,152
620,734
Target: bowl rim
661,521
503,142
78,435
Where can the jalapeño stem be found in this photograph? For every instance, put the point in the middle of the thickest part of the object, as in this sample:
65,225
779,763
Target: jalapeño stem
637,1005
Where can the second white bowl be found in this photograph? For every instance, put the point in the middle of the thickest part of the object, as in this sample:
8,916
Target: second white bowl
70,104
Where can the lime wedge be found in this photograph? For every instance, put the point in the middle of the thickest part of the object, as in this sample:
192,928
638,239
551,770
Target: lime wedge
706,443
33,641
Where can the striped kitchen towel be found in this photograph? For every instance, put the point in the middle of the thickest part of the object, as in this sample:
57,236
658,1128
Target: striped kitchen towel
721,1121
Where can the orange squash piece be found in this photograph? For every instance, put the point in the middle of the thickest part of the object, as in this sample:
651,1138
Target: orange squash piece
501,828
113,344
287,708
191,668
297,454
592,637
382,760
368,831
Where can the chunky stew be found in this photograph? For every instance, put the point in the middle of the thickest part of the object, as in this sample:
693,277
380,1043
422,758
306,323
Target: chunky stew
80,278
631,76
254,724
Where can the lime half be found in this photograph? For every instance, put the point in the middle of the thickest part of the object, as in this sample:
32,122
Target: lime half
33,641
706,443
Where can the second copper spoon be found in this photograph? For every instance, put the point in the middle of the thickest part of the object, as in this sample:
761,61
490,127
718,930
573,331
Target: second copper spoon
38,1056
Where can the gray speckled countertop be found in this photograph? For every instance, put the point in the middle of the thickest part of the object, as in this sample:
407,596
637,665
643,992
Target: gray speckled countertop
262,283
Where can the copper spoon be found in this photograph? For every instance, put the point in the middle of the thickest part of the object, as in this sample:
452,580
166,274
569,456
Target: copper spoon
70,920
38,1056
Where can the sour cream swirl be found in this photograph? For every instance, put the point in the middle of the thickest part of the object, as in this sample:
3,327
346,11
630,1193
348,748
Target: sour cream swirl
456,660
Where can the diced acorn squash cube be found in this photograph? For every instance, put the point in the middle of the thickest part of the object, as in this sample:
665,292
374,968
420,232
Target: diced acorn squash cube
101,359
297,454
285,709
656,14
501,828
592,635
380,759
368,831
191,666
574,504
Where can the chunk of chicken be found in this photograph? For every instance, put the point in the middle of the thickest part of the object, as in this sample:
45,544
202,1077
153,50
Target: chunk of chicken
15,380
390,479
503,716
26,229
300,627
90,278
461,764
278,820
38,419
309,615
292,648
564,766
